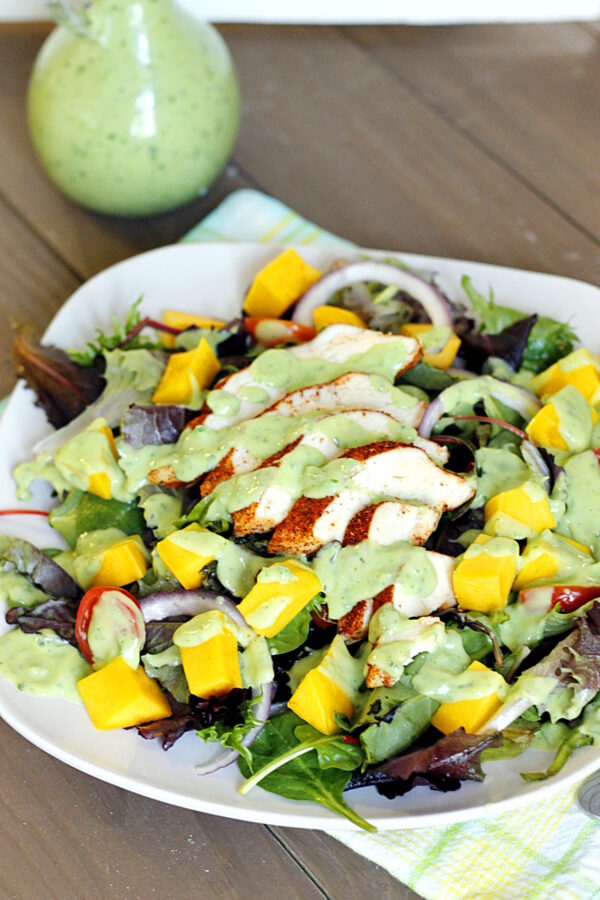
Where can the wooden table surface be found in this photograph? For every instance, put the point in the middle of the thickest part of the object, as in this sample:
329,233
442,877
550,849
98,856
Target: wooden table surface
472,142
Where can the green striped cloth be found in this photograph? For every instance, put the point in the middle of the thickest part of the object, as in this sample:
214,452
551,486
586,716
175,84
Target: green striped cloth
548,849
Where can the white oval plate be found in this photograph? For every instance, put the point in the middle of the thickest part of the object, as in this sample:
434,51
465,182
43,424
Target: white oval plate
211,279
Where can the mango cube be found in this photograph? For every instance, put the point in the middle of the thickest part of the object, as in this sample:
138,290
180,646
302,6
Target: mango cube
544,428
484,576
323,316
183,320
118,696
272,604
279,285
184,564
444,358
99,483
519,513
185,372
580,369
212,668
122,563
550,556
317,698
468,714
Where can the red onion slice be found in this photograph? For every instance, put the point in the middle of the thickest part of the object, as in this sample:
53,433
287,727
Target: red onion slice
156,607
261,713
517,398
433,302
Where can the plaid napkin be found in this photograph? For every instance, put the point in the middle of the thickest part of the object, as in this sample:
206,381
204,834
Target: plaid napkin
548,849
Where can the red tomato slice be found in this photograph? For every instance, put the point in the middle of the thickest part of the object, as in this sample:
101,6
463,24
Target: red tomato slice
596,452
570,596
86,610
271,332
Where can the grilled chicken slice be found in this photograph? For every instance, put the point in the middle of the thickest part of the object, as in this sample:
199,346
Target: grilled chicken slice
352,391
395,471
413,605
336,344
419,640
275,503
391,521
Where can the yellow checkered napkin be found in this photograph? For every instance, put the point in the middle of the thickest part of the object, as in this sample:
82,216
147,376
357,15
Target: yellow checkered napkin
548,849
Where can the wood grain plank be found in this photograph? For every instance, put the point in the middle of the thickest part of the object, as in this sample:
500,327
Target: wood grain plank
339,137
525,94
33,284
64,834
341,872
85,241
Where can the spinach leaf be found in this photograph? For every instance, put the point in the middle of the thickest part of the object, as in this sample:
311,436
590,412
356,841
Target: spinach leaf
386,739
339,752
427,377
85,512
293,635
380,702
291,769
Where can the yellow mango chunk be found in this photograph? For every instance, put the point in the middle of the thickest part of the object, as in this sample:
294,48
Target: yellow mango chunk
482,581
185,372
279,285
323,316
540,567
445,357
212,668
544,428
580,369
520,512
272,604
185,565
118,696
548,556
100,485
122,563
468,714
183,320
317,698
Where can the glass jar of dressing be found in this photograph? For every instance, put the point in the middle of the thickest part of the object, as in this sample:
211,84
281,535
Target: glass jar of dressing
133,105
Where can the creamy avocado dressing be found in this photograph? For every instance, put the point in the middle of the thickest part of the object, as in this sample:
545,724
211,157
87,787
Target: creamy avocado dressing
574,418
256,664
116,628
399,639
87,454
286,370
253,394
88,552
223,403
350,574
277,574
41,469
581,519
497,470
237,567
17,590
453,687
42,664
435,339
160,512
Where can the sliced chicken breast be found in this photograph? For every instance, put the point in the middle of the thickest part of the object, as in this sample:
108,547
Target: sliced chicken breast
414,605
391,521
352,391
391,470
336,344
419,640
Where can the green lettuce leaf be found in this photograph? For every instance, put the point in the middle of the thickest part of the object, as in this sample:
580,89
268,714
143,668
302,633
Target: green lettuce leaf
86,512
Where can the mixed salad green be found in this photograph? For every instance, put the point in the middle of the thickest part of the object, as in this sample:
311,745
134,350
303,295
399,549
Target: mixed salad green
350,538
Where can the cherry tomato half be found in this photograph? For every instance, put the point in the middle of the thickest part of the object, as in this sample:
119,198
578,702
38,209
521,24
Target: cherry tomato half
570,596
271,332
127,604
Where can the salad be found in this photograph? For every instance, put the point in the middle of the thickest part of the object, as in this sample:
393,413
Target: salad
349,538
